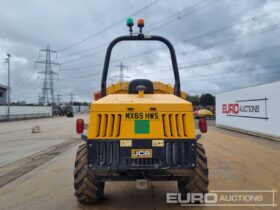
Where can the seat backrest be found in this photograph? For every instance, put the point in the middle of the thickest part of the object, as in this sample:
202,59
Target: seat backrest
145,82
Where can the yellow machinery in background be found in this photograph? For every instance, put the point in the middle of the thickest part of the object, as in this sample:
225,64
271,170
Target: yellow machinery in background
139,131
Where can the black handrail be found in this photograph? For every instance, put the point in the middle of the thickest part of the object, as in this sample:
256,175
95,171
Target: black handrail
141,37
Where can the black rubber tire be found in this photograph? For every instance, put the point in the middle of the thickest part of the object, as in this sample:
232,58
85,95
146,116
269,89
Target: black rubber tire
198,182
87,190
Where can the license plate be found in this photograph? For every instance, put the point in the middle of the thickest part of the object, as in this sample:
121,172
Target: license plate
142,116
141,153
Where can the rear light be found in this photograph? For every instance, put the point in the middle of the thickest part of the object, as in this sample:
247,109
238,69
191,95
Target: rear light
97,96
80,126
203,125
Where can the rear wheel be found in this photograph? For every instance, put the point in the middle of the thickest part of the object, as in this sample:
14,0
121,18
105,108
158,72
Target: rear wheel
198,181
87,190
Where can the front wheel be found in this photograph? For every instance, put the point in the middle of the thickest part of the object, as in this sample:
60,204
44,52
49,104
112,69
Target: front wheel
87,190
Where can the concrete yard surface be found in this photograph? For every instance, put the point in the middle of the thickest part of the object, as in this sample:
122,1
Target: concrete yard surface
17,141
236,162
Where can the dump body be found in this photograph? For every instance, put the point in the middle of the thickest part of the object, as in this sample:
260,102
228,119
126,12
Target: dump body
159,88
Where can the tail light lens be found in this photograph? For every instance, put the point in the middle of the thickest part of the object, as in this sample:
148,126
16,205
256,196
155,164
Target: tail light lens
203,125
80,126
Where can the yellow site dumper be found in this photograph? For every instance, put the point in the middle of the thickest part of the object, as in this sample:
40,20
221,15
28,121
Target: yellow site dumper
139,131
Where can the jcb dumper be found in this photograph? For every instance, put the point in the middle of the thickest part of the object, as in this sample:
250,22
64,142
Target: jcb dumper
140,131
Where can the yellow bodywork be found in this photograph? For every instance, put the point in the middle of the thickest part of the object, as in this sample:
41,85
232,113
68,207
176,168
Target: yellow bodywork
159,88
162,116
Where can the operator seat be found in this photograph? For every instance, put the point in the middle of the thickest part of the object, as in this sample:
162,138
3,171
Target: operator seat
132,88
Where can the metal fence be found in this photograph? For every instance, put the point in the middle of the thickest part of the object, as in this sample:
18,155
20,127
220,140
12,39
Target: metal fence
24,116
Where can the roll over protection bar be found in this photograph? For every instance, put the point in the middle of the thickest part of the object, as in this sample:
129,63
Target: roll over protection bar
141,37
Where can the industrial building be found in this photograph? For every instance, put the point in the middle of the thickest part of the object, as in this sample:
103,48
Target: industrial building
3,94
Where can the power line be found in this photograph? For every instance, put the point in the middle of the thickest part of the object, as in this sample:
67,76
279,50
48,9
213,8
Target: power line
215,74
210,61
229,72
236,38
212,45
225,28
123,11
182,14
232,77
204,77
26,89
232,57
252,19
221,59
86,50
83,57
83,92
207,78
109,27
27,75
114,16
85,76
106,44
209,46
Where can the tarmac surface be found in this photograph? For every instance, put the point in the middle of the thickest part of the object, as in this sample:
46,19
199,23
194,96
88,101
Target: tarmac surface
236,162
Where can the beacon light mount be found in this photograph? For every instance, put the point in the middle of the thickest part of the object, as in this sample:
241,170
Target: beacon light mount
130,24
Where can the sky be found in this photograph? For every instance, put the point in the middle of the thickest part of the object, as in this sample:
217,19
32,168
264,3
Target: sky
220,44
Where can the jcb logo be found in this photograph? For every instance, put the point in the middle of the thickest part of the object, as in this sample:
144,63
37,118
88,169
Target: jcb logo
141,153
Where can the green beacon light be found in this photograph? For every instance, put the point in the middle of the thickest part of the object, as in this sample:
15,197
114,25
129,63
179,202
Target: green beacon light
130,23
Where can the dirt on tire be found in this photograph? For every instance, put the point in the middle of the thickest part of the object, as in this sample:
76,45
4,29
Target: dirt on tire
87,190
198,182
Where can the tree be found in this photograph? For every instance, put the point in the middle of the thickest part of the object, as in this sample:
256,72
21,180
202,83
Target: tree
20,103
207,100
193,99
